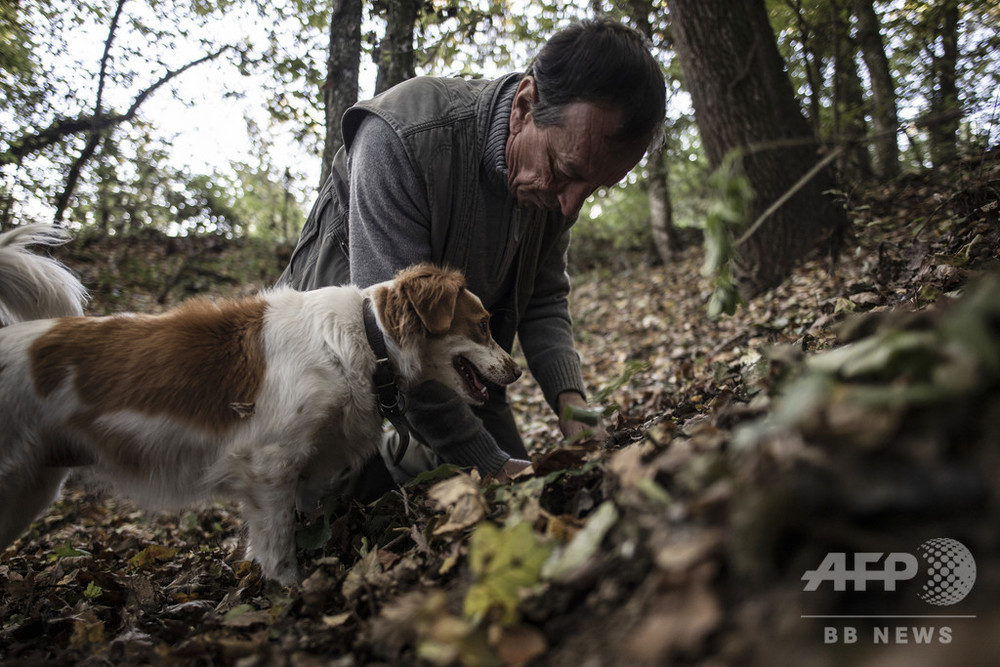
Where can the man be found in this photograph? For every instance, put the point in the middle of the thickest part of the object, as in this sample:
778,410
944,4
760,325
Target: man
488,177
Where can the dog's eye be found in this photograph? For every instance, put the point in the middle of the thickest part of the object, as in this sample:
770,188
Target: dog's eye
484,326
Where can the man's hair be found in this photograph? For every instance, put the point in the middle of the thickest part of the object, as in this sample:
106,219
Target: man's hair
603,62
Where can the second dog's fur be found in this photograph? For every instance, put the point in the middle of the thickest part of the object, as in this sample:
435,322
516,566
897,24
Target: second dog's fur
253,399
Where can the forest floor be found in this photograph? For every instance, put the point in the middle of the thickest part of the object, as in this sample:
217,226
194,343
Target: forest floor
855,409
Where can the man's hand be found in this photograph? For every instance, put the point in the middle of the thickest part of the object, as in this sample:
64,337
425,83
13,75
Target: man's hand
571,428
511,468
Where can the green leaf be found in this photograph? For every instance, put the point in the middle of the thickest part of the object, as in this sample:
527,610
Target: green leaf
724,301
883,356
505,564
441,472
314,535
67,551
588,416
728,213
93,591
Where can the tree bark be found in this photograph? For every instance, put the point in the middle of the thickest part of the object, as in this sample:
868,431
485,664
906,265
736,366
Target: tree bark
744,100
666,240
661,213
395,52
945,111
883,89
340,90
851,128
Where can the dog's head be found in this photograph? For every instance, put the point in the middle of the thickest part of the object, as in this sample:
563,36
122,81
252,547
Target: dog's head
432,318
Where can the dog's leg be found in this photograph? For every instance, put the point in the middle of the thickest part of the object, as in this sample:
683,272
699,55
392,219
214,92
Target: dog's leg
270,516
263,480
24,497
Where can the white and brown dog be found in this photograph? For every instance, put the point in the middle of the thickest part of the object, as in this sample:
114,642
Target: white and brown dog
252,399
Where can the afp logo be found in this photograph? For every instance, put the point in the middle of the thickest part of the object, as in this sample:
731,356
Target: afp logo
948,572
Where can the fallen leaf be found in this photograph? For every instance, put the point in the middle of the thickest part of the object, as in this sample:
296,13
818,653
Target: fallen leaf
505,564
462,501
154,553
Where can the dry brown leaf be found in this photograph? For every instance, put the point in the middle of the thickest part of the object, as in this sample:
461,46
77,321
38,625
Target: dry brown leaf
462,501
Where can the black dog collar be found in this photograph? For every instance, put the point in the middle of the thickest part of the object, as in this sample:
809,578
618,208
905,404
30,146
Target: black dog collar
390,401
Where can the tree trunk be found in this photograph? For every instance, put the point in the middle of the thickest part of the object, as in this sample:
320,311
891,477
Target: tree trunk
661,213
744,100
945,111
849,103
883,90
395,51
340,90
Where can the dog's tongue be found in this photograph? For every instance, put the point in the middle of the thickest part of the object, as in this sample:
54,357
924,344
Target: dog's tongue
477,389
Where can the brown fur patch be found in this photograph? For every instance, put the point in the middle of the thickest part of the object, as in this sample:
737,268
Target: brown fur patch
471,319
422,300
190,364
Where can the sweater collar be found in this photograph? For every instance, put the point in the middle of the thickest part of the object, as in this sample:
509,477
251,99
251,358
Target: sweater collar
494,164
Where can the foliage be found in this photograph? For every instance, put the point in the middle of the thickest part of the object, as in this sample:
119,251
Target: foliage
144,190
50,56
613,223
79,115
467,38
905,363
915,25
290,59
15,49
909,29
728,214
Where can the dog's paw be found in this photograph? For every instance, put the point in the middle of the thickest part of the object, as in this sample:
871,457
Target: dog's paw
286,575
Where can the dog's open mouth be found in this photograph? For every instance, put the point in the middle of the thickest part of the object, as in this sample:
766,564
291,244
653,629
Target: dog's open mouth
470,376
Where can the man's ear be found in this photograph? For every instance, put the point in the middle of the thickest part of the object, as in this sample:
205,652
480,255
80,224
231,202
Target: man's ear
524,102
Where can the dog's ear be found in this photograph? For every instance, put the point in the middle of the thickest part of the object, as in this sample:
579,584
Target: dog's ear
432,293
421,299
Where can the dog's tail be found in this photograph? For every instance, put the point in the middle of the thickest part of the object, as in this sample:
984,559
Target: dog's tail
34,287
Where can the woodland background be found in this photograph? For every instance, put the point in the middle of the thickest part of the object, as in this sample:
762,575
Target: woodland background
830,179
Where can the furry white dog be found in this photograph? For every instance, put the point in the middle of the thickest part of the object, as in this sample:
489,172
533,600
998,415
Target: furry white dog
254,399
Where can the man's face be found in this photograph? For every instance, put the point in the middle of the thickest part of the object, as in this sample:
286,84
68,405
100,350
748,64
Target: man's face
559,166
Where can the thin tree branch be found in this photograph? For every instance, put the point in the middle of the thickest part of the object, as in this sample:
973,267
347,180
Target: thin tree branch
818,167
105,57
64,127
94,136
132,110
